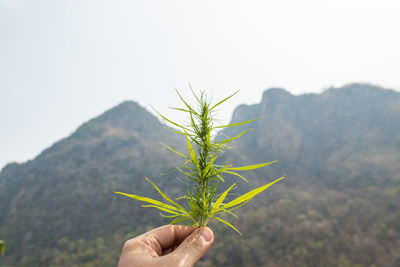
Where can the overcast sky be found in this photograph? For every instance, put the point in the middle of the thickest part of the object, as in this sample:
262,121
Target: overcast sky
63,62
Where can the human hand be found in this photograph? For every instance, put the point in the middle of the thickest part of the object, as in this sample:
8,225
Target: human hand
169,245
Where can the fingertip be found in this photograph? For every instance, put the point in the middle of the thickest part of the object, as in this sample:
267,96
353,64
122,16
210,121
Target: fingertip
207,234
193,247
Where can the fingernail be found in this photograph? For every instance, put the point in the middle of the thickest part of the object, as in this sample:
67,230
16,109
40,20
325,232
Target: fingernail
206,233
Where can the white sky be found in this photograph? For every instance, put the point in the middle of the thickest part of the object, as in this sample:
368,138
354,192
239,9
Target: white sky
63,62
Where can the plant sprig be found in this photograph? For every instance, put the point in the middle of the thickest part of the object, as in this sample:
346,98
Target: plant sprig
203,201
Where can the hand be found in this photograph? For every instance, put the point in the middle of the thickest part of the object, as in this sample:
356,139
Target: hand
169,245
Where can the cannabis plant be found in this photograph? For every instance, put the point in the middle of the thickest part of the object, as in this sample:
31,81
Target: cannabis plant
203,199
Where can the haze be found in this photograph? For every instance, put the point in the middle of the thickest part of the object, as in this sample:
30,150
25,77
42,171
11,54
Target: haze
64,62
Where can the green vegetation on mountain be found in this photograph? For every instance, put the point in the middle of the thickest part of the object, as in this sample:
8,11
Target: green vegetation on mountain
339,207
346,137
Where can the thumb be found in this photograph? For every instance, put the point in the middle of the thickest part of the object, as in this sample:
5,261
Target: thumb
193,247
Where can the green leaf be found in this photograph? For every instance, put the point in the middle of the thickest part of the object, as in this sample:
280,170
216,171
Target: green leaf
148,200
223,100
180,109
169,216
179,207
237,174
175,131
192,111
220,177
251,167
178,220
193,173
214,189
188,175
227,211
227,223
237,124
191,89
162,208
193,154
210,164
219,201
168,120
226,141
249,195
238,206
173,150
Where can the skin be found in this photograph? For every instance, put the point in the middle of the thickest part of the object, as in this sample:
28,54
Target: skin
169,245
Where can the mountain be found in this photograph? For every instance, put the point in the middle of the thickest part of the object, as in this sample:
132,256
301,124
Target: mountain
67,191
339,206
350,133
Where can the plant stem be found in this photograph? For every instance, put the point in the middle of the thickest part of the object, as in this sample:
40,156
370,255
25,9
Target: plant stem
203,148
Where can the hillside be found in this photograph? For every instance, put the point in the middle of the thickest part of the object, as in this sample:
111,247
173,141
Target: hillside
351,134
339,206
67,191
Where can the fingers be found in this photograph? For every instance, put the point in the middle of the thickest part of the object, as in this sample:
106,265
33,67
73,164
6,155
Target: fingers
145,249
193,247
163,238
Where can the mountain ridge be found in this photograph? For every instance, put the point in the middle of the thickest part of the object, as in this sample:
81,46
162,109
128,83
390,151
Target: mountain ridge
294,125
